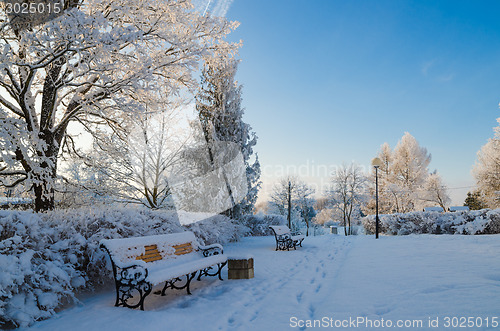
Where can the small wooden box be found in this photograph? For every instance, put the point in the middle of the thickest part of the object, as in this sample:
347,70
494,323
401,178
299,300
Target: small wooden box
240,268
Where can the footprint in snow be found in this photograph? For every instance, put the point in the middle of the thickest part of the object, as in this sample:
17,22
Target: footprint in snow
493,277
312,309
383,310
254,316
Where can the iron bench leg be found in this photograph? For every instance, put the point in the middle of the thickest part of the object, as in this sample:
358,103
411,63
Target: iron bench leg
171,283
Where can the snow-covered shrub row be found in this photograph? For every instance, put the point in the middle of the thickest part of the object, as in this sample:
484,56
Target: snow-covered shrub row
259,224
485,221
46,258
218,229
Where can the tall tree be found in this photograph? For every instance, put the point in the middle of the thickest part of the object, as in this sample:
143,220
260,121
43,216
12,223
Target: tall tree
305,202
283,193
348,192
138,164
218,104
474,201
486,171
409,170
435,191
402,176
88,66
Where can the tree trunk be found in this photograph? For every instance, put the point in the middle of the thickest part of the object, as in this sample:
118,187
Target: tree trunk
345,224
44,197
290,205
307,226
44,188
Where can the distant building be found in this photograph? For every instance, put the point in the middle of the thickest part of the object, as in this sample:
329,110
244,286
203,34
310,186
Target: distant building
15,203
458,208
437,209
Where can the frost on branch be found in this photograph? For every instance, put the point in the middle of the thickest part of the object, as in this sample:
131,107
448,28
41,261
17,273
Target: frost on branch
88,66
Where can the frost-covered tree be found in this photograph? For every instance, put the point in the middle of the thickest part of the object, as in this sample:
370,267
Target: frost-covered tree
348,193
292,198
138,163
486,171
283,193
402,176
218,104
305,202
409,170
435,191
88,66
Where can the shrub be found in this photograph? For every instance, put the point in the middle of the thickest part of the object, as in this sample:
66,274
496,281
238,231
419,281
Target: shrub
259,224
46,258
473,222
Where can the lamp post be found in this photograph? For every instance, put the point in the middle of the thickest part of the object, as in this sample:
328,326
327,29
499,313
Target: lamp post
376,163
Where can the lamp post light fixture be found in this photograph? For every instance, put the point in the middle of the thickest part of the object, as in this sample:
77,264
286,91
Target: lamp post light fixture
376,163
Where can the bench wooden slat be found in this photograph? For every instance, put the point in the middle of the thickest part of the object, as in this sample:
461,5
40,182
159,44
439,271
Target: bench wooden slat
152,259
152,254
183,249
182,252
182,245
145,256
151,248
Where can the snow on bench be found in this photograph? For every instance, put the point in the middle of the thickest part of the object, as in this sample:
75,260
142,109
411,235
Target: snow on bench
143,262
285,239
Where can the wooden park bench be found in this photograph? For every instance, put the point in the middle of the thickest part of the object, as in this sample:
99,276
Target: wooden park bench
285,239
143,262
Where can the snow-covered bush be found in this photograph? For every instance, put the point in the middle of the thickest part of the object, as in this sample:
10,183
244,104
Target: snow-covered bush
218,229
483,221
259,224
46,258
34,278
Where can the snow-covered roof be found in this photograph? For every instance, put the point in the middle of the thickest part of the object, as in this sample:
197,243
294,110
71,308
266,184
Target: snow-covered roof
459,208
14,201
439,209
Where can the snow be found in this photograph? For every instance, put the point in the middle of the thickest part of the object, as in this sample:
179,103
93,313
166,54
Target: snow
484,221
136,245
58,253
125,251
438,209
413,277
161,271
459,208
283,229
14,201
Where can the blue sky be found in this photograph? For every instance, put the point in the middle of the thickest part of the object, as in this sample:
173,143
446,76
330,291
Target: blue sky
327,82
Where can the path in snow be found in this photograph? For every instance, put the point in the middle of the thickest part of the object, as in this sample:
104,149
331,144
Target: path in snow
396,278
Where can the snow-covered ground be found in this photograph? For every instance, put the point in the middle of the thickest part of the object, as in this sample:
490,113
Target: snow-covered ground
332,279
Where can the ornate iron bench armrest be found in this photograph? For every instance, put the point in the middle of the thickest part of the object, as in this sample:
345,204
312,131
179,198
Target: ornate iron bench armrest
210,250
132,274
283,237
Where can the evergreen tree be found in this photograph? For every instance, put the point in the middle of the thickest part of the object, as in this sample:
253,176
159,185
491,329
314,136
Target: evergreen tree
474,201
218,105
